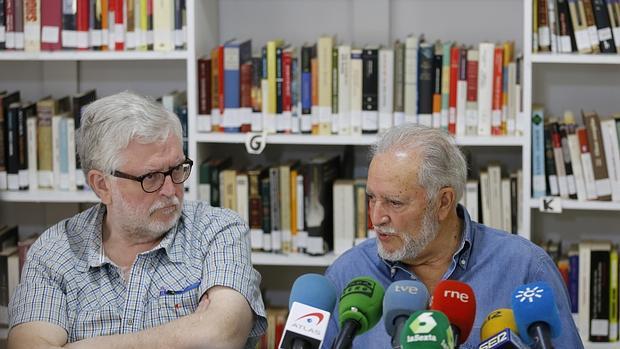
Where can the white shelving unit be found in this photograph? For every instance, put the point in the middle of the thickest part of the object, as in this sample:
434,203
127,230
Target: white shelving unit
236,138
93,56
359,22
294,259
582,205
48,196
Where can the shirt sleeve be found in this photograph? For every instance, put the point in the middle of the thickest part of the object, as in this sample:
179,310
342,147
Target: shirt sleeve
39,296
548,272
228,264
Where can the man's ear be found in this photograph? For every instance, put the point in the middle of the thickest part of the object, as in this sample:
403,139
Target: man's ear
100,184
446,201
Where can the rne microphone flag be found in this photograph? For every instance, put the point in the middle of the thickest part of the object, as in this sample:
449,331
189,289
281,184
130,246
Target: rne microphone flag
457,301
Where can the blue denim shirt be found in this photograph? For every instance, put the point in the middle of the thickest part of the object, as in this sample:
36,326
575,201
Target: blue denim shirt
491,261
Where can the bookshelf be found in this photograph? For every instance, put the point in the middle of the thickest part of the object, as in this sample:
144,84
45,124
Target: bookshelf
359,22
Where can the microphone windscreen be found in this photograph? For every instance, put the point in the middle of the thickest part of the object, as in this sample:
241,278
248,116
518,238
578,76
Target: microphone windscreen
361,301
496,321
402,298
314,290
457,300
427,329
535,302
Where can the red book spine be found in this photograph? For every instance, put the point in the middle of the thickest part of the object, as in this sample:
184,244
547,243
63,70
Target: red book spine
119,28
472,81
9,18
51,25
496,106
286,81
204,86
82,24
220,78
454,77
246,95
582,135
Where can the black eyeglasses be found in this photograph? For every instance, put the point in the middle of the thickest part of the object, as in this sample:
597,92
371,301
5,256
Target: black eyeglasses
153,181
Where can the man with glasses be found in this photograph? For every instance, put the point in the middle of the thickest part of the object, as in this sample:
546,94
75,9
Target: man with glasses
142,269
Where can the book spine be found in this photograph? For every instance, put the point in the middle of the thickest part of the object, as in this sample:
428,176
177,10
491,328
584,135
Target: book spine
539,186
370,93
425,83
386,89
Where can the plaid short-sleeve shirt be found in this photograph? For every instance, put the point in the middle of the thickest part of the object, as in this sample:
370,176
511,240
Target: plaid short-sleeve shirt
65,280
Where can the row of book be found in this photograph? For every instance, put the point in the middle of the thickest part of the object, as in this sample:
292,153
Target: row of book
309,207
575,162
12,257
330,88
115,25
590,270
37,140
583,26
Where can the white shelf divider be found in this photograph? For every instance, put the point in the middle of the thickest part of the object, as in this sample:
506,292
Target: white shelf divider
218,137
582,205
294,259
48,196
575,58
92,55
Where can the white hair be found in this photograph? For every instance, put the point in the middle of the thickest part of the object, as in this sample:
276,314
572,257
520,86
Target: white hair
442,162
109,124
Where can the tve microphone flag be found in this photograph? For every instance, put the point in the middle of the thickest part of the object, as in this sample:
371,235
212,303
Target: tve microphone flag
401,299
536,314
427,329
499,330
457,301
359,309
313,297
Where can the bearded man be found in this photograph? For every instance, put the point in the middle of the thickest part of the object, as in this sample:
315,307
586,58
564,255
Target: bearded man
416,178
143,268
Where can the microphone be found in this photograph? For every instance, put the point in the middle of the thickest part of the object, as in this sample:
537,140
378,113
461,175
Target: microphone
457,301
499,330
427,329
536,314
312,300
359,309
401,299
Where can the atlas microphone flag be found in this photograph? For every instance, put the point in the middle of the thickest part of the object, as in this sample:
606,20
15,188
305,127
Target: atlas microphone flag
457,301
427,329
312,300
536,314
401,299
359,309
499,330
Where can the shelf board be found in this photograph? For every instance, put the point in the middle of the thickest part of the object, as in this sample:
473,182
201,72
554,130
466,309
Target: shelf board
293,259
92,55
582,205
48,196
575,58
590,345
240,138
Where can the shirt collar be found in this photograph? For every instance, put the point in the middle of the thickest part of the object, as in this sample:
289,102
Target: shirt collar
460,258
92,253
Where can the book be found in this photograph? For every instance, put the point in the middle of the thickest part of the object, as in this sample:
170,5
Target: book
539,184
599,162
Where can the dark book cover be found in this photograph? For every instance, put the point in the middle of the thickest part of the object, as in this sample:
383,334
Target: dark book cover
370,79
319,176
599,296
425,78
603,26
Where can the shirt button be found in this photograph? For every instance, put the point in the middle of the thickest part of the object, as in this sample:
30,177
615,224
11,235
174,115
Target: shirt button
463,262
130,322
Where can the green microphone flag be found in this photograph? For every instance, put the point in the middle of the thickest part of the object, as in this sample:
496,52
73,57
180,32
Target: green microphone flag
427,329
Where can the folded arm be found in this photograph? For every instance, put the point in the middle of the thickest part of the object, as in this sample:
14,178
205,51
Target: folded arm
225,323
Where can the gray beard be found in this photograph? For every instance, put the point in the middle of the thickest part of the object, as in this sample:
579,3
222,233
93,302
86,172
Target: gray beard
413,246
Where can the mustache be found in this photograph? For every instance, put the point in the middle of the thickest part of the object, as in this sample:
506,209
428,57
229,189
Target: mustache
385,230
174,201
